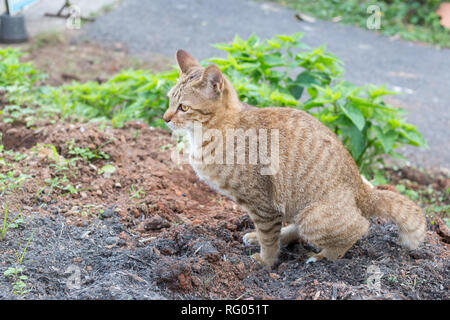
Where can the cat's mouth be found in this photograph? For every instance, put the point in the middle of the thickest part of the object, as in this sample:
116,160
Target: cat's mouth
172,126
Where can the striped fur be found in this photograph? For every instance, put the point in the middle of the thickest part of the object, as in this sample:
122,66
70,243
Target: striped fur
317,192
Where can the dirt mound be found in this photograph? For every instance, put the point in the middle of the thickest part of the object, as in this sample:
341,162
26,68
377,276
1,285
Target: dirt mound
148,228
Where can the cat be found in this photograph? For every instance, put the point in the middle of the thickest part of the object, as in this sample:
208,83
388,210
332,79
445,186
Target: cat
314,191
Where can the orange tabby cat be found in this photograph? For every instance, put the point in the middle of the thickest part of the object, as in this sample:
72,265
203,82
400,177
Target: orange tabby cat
311,182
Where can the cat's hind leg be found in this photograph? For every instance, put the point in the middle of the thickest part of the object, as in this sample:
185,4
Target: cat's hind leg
333,228
289,234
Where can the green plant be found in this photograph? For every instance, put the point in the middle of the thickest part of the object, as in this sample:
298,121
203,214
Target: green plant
87,153
136,194
12,224
61,184
11,181
17,78
412,194
19,285
129,95
261,71
13,113
20,258
107,169
14,72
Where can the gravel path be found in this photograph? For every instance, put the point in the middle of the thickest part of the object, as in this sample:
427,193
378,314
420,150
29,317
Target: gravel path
419,72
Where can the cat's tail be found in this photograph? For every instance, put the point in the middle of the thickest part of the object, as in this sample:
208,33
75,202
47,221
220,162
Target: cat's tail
405,213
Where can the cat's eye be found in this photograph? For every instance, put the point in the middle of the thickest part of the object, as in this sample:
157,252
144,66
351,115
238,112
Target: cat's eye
183,107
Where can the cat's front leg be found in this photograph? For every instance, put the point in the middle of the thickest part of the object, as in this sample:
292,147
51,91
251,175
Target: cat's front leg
268,234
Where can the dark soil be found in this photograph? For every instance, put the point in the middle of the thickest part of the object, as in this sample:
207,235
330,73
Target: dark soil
152,230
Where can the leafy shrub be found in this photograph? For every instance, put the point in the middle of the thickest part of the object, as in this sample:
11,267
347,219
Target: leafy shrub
17,78
127,96
15,72
261,70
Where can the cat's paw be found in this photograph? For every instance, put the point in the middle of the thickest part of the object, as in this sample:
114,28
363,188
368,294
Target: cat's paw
250,239
314,257
257,258
311,260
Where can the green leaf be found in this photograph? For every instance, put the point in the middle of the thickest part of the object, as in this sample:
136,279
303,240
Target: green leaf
387,139
296,90
306,79
283,99
356,138
273,60
108,168
355,115
286,38
414,137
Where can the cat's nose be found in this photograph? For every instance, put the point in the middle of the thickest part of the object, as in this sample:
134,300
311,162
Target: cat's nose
167,116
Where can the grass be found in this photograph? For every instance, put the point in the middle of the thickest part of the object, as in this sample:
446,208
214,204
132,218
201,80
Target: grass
20,258
413,20
10,179
7,225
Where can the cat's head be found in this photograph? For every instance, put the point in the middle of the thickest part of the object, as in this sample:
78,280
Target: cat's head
200,95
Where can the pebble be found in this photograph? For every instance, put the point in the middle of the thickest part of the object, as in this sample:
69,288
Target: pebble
108,213
274,276
112,240
156,223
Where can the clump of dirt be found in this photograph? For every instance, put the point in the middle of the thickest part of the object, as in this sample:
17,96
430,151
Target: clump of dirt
151,229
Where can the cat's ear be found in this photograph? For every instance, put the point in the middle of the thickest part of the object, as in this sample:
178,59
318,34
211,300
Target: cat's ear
212,81
186,61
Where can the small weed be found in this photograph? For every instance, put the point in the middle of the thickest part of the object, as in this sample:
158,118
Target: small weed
107,169
11,181
87,153
20,259
136,194
14,223
392,279
61,184
412,194
18,280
